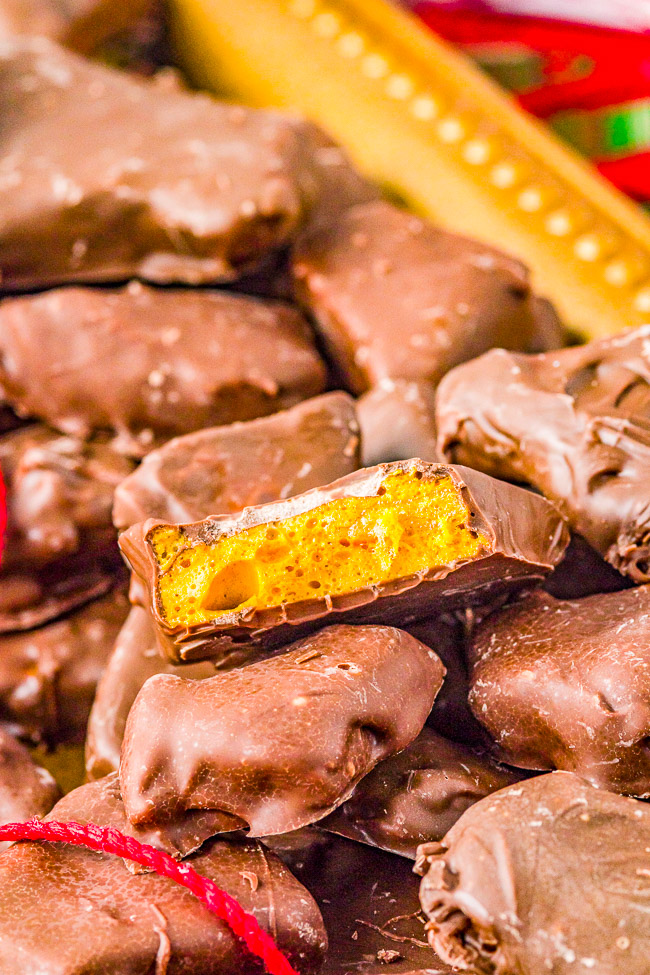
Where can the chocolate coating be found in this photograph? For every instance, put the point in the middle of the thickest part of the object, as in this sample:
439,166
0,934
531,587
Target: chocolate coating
525,539
181,359
48,676
81,24
306,726
575,424
583,572
133,661
398,298
60,547
397,420
451,716
416,796
561,684
172,186
66,910
369,901
26,789
550,875
224,469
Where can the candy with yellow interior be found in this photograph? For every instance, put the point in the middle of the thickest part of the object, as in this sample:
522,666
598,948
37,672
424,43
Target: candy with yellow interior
409,527
388,544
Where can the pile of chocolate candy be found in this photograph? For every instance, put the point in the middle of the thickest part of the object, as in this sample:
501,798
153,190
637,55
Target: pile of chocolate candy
339,660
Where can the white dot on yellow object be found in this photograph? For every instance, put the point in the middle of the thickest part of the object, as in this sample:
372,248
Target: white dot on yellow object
451,129
399,86
504,175
588,247
642,300
560,223
351,45
327,24
531,199
477,152
425,107
374,66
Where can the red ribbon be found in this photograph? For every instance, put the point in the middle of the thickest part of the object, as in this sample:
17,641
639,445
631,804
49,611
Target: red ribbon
106,839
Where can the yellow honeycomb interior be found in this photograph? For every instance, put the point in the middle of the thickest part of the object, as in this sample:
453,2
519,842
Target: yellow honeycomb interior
413,524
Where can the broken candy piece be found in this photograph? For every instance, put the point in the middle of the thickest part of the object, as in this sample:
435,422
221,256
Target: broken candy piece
386,544
549,875
66,910
180,360
278,744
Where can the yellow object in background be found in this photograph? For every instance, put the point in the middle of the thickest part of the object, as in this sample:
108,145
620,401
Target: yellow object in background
417,117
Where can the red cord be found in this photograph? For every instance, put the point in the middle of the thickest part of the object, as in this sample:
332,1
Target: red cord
106,839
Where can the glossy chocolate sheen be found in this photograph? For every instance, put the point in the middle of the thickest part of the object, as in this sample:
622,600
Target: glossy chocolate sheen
134,660
171,186
369,901
417,796
451,716
59,496
278,744
60,547
48,676
26,789
549,875
225,469
575,424
566,684
80,24
181,360
397,420
583,572
526,538
66,910
396,297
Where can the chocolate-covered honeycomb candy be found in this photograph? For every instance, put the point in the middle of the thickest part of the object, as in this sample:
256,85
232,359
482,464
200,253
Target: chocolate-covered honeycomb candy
397,298
389,543
48,676
66,910
224,469
171,186
276,745
181,360
133,661
575,424
548,875
397,420
416,796
26,788
60,547
562,684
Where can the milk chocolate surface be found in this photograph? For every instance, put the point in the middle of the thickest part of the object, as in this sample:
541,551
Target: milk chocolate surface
417,796
566,684
66,910
178,360
80,24
133,661
502,539
225,469
60,547
549,875
170,186
369,901
278,744
397,420
396,297
26,789
583,572
575,424
48,676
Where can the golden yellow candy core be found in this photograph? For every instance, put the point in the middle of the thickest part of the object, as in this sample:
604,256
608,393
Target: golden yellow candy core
412,525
